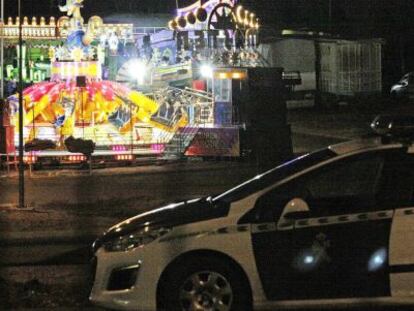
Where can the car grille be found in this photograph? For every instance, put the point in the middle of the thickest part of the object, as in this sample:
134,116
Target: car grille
123,278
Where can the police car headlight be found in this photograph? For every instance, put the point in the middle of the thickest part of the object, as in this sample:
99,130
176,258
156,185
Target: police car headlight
134,240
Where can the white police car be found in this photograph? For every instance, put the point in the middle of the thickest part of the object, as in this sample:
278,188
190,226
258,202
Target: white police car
334,226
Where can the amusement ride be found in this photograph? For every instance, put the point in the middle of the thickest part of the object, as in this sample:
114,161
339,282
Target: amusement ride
78,103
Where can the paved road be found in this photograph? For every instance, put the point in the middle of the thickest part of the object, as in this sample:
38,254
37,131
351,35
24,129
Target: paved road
168,181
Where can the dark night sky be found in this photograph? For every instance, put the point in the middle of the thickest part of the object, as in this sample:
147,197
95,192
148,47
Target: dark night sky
388,19
359,17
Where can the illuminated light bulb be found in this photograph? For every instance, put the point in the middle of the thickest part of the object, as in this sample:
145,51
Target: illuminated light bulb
9,21
52,21
237,75
239,14
252,19
246,17
42,21
25,21
171,25
206,71
34,21
223,75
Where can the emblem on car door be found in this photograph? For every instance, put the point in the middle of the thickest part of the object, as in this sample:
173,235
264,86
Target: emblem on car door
320,247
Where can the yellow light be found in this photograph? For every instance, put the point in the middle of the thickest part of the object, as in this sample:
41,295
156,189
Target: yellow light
9,21
237,75
222,75
239,11
30,159
246,17
52,21
124,157
251,20
25,21
34,21
77,54
172,24
42,21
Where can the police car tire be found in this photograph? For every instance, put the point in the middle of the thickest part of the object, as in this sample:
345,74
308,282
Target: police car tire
176,278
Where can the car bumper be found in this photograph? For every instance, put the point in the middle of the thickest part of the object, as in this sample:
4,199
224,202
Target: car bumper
138,293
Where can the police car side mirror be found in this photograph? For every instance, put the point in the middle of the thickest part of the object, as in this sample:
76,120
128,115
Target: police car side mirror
295,209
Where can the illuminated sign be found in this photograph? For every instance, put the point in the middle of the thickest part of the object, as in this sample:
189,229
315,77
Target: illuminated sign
70,70
56,29
230,74
213,39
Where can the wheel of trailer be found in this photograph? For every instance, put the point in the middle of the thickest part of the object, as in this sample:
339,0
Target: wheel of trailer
205,283
222,18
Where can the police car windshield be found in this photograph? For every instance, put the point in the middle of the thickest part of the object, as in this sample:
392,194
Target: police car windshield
278,173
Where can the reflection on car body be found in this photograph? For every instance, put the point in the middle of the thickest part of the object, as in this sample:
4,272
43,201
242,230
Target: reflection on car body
404,89
330,226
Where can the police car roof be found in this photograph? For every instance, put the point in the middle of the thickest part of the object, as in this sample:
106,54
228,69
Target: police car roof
374,142
389,131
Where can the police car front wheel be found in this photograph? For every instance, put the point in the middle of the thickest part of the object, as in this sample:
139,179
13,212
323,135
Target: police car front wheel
205,284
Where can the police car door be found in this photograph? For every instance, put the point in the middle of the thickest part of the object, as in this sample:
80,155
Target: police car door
401,256
410,85
338,250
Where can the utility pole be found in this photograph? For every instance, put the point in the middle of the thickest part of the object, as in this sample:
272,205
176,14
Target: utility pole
21,150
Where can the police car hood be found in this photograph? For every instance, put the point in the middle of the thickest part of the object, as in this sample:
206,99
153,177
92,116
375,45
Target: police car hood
170,216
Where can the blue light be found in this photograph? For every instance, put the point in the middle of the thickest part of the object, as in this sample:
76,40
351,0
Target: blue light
377,260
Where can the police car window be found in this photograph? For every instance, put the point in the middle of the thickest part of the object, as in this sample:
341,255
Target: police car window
358,177
346,186
376,180
272,176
